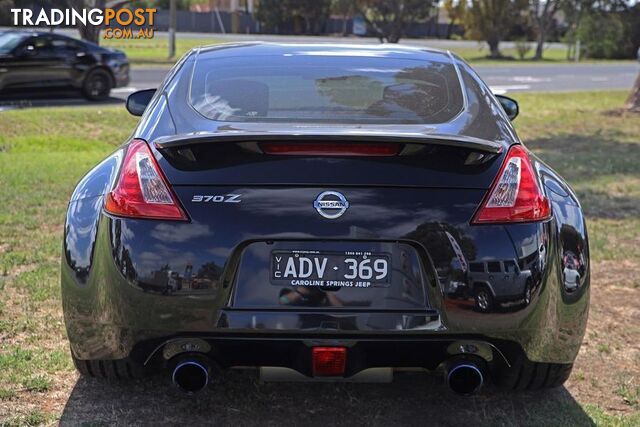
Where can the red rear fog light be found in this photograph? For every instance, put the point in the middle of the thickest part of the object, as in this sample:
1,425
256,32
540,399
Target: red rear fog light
329,361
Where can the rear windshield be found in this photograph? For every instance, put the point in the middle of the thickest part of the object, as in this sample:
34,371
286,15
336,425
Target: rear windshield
325,89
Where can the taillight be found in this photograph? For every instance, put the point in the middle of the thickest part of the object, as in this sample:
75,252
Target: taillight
142,190
331,149
515,195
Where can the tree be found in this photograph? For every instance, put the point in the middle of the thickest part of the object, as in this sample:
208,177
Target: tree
573,11
314,13
456,9
164,4
5,12
89,32
543,13
344,8
633,102
390,19
603,36
608,29
276,14
271,14
491,20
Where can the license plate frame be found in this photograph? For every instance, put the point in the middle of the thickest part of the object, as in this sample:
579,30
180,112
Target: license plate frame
332,278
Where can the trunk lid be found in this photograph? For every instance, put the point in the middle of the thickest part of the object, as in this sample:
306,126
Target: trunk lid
406,207
247,225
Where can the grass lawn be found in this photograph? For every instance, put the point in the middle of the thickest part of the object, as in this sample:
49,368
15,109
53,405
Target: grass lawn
479,55
43,153
155,51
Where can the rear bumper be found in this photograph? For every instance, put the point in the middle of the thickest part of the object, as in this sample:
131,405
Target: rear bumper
109,316
293,351
130,286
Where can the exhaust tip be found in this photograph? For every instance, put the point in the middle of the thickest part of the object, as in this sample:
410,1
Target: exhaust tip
465,378
190,376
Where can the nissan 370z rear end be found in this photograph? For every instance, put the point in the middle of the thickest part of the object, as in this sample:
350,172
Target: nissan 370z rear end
326,212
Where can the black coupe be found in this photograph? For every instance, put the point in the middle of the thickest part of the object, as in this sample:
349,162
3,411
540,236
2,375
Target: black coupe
325,211
41,60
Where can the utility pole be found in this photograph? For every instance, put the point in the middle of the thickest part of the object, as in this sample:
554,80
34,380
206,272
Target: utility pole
172,28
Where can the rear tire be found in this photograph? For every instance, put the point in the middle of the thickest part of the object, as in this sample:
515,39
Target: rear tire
527,375
483,299
97,85
111,370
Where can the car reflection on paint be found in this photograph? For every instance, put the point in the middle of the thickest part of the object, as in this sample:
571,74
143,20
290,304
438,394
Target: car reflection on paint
496,281
166,281
571,272
492,285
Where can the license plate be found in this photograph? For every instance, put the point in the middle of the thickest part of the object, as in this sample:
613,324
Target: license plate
349,269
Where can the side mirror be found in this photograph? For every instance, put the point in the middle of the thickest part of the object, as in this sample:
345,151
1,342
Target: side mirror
137,102
510,106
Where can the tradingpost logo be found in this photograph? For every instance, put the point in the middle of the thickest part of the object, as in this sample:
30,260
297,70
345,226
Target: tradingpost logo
142,18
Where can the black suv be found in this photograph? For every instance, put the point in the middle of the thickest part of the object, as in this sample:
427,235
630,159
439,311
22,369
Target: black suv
38,59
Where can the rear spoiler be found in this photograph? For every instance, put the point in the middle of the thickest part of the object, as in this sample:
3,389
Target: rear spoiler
478,144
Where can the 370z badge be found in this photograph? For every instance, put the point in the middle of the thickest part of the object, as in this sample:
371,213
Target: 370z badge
226,198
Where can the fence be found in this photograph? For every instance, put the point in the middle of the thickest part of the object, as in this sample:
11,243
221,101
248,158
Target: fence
212,22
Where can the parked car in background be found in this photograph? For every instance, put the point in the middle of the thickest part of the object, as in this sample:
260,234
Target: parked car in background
32,59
